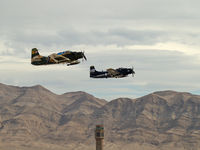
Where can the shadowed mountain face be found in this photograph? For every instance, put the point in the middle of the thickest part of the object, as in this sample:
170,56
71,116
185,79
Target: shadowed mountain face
35,118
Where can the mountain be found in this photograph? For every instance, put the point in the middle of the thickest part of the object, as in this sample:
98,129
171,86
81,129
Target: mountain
162,119
32,116
35,118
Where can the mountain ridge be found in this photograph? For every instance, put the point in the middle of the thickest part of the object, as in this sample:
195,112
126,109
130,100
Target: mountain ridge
36,118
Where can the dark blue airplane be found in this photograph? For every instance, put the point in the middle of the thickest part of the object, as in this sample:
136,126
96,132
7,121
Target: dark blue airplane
111,73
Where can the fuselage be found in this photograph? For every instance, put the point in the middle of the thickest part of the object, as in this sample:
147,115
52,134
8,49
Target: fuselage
120,73
99,74
69,57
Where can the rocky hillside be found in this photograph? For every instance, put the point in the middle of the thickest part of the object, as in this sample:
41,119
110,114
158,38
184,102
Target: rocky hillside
35,118
161,119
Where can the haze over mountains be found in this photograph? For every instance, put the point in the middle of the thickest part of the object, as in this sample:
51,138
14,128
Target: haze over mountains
35,118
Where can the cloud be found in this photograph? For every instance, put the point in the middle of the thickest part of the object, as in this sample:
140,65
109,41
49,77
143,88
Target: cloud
68,24
21,42
159,38
155,70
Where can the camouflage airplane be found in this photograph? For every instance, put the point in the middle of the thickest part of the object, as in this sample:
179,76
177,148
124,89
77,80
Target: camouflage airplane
68,57
111,73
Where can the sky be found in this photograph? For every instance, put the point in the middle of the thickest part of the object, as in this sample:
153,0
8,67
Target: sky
160,39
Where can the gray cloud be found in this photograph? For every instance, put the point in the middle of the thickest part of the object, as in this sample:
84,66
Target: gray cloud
67,23
56,25
155,70
22,41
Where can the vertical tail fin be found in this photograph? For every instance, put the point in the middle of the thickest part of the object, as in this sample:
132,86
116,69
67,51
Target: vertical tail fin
92,69
34,52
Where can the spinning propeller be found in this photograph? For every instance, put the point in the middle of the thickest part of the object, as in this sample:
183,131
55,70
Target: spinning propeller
84,55
133,72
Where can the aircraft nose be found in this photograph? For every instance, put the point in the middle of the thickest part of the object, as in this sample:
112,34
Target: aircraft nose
83,55
132,71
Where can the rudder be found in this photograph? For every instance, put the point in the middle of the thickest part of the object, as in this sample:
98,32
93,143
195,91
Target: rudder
92,69
34,52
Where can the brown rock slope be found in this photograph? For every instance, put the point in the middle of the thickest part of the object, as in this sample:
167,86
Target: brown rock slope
35,118
160,120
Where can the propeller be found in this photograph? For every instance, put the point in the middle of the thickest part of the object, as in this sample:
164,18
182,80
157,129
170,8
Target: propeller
83,54
133,72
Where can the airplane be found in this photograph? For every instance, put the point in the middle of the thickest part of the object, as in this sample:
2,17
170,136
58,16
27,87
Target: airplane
111,73
68,57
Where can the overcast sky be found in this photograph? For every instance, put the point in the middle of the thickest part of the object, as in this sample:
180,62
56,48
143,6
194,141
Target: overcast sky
161,39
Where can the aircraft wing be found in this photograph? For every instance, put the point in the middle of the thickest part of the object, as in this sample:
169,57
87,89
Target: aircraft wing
59,58
112,72
73,63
